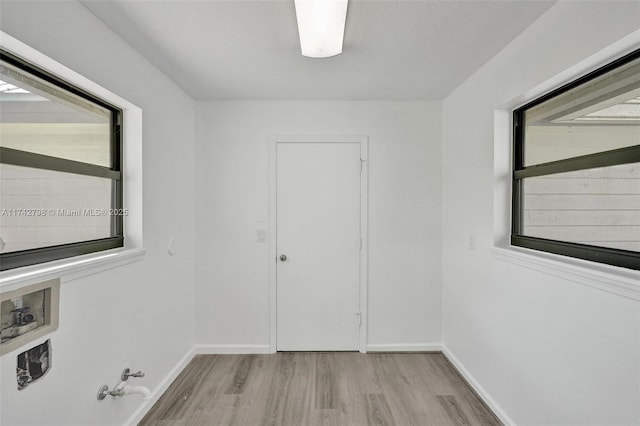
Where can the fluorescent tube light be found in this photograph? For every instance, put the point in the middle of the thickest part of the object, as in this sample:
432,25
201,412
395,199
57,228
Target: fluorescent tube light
321,26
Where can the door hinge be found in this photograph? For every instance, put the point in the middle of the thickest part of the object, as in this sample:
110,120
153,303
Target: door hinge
359,315
361,166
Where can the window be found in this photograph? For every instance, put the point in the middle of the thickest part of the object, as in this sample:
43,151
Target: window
60,168
576,178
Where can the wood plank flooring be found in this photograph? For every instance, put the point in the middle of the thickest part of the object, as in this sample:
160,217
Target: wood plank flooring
319,388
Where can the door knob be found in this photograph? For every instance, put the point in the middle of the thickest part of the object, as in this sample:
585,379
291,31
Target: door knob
283,258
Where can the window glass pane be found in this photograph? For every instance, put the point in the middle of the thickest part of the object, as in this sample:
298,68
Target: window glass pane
597,116
36,116
41,208
598,207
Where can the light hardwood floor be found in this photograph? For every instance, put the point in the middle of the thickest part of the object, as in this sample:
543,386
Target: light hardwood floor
319,388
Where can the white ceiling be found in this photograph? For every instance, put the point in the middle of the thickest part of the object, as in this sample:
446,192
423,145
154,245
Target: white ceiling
250,50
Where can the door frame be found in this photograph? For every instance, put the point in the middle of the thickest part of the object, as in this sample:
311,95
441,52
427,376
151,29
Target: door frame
364,225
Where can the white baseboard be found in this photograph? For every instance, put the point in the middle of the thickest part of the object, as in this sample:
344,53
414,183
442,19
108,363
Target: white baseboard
405,347
491,403
160,389
232,349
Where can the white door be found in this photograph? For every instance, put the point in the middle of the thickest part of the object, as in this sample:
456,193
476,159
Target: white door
318,230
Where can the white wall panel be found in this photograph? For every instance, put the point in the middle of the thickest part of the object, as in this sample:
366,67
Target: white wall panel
404,214
141,315
548,350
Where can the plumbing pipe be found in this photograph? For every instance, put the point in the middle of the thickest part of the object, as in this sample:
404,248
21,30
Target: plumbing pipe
137,390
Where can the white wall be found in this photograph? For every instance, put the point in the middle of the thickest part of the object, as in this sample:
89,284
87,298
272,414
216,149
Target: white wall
547,350
404,214
141,315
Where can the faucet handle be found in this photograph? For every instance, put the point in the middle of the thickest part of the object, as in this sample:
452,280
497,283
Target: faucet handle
126,373
104,391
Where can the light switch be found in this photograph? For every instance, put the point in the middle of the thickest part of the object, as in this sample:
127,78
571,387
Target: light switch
262,236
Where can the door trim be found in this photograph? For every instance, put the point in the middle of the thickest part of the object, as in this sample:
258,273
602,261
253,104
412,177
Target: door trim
364,225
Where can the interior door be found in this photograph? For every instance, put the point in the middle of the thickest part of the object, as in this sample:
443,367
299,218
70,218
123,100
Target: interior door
318,246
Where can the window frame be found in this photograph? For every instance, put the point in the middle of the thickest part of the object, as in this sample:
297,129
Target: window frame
616,257
15,157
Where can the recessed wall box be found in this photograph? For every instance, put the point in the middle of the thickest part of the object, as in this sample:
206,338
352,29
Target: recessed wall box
28,313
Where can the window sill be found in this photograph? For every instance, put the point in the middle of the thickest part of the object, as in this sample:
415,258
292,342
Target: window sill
69,269
620,281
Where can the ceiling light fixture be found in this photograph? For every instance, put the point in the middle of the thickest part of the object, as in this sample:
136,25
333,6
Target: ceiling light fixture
321,26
